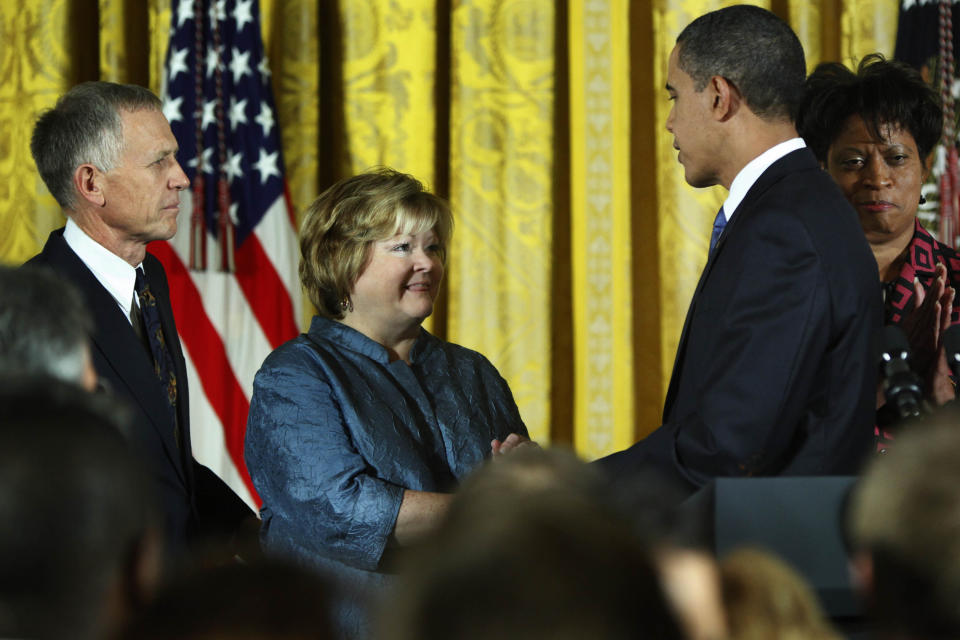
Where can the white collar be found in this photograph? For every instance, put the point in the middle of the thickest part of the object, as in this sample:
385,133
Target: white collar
753,170
113,272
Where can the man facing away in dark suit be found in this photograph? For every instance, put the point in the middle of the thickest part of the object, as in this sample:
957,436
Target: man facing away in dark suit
108,156
775,373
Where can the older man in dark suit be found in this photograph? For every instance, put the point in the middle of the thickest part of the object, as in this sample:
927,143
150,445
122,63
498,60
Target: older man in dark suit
775,373
108,156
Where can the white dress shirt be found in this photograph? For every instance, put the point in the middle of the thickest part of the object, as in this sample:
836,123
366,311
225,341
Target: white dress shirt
753,170
113,272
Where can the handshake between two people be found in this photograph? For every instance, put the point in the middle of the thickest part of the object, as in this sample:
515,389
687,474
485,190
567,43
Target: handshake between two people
511,443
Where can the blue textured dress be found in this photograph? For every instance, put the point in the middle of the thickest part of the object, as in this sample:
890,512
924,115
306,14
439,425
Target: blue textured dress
336,432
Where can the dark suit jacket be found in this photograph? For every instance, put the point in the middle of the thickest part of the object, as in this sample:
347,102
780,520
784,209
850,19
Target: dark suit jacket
194,500
775,373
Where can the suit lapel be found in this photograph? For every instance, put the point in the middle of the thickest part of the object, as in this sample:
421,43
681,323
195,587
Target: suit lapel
115,340
793,161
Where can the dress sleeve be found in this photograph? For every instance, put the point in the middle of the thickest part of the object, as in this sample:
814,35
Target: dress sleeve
300,454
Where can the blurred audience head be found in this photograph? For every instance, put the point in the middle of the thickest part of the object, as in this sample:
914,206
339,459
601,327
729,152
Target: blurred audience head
766,599
341,225
265,600
691,580
79,547
44,327
531,549
904,524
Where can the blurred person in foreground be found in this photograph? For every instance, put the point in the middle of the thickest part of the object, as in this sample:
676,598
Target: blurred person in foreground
44,327
360,429
531,548
776,367
263,600
904,527
108,156
766,599
80,547
873,131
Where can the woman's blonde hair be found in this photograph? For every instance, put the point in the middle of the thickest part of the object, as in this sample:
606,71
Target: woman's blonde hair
766,599
345,220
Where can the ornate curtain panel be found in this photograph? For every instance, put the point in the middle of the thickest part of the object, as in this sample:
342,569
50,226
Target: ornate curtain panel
577,244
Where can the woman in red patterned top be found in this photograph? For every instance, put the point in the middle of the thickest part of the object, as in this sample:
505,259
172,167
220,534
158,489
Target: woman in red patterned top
873,131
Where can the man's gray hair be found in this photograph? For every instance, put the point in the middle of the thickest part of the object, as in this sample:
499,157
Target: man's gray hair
44,325
84,127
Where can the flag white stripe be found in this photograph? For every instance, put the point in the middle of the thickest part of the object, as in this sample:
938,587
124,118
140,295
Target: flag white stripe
209,446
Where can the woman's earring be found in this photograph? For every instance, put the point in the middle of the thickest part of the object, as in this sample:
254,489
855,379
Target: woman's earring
346,304
922,199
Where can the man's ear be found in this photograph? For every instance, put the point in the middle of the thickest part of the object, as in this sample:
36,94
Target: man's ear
88,181
726,98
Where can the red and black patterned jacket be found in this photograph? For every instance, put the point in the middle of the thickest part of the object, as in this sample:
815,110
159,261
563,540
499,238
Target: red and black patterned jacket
923,254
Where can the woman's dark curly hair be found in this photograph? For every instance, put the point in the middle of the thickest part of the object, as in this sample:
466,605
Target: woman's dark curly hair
882,92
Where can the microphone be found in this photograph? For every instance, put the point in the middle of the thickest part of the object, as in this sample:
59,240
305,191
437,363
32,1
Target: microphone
901,386
951,344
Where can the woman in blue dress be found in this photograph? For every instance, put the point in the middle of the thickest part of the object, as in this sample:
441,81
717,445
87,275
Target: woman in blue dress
359,429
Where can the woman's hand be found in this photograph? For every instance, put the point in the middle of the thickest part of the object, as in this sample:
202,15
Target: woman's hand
924,328
942,389
511,443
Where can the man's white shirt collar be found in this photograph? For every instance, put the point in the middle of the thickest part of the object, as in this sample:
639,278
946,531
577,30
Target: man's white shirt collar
753,170
113,272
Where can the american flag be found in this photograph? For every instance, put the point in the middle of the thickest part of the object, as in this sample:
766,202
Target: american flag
232,265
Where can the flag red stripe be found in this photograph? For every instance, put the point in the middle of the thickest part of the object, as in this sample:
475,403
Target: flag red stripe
261,285
209,356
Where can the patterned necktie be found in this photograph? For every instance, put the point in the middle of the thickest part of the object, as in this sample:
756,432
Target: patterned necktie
162,361
718,224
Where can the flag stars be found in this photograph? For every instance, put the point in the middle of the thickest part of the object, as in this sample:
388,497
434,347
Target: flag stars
238,113
178,62
171,109
265,118
266,165
213,60
205,158
218,11
184,12
232,168
243,14
264,68
239,64
209,114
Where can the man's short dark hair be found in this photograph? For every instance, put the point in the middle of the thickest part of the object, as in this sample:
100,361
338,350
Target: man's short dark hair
45,325
882,92
754,50
84,126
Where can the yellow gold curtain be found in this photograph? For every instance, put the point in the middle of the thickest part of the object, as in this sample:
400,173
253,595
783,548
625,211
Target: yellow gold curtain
578,244
501,169
601,223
